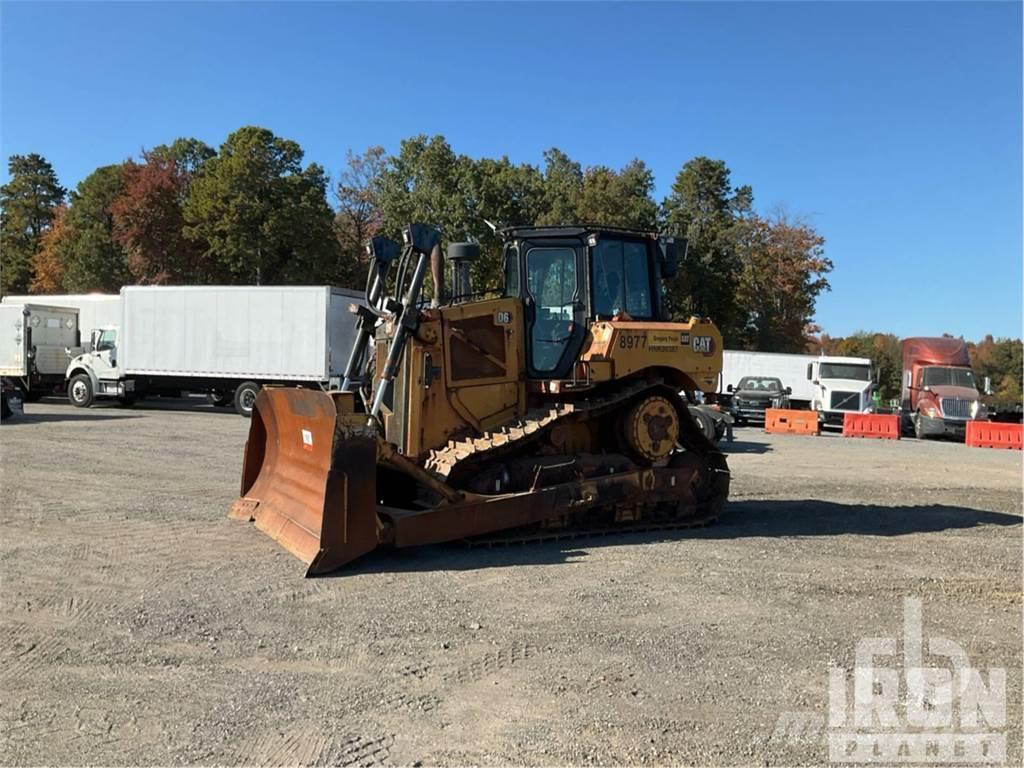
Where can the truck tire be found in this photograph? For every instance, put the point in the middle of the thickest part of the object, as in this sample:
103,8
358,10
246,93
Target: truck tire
80,391
706,424
245,397
918,427
5,409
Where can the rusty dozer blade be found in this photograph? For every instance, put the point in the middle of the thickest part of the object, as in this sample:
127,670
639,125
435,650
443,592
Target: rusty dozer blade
307,481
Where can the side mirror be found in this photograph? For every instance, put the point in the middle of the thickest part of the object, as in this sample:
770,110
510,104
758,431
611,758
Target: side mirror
788,390
988,385
729,388
810,372
93,338
671,251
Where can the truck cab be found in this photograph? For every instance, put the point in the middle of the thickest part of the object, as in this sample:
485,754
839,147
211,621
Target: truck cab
940,393
95,373
841,385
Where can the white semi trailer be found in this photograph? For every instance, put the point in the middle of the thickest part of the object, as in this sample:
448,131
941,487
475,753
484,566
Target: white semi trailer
36,341
224,341
830,385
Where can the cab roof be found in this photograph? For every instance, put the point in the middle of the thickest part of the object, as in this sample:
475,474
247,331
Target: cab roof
569,230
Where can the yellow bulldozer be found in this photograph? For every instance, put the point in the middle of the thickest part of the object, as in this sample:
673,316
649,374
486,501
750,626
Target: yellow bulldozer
558,405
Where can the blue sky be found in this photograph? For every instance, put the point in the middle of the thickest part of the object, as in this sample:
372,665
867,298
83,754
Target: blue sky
895,129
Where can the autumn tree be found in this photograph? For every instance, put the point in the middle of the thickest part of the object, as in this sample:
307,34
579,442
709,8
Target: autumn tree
259,215
1001,360
705,208
27,203
885,350
95,260
148,221
359,216
50,262
781,272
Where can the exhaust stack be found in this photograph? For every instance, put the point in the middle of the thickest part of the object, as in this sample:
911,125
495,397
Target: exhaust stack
462,255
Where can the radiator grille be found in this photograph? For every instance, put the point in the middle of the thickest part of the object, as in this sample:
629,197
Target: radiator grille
956,407
845,401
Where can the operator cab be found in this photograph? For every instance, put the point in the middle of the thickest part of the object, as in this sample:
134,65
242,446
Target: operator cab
569,277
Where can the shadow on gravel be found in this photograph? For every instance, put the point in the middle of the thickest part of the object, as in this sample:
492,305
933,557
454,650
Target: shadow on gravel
741,519
811,517
196,404
742,446
40,418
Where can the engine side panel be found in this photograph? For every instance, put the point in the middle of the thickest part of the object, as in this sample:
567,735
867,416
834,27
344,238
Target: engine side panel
693,349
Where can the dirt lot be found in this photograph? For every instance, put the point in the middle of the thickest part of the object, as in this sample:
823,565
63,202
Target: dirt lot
141,626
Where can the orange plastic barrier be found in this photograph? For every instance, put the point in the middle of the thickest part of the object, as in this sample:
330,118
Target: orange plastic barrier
881,425
989,434
783,422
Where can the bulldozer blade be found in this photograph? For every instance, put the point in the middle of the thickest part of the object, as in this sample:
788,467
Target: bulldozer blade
307,482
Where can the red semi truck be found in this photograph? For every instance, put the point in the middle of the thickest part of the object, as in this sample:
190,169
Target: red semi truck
940,394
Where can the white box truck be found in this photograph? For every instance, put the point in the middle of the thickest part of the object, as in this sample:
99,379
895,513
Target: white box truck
224,341
95,310
36,342
830,385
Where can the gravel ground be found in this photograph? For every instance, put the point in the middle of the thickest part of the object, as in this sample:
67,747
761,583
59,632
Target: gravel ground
141,626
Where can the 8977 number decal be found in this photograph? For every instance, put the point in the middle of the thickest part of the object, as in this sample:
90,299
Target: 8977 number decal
632,341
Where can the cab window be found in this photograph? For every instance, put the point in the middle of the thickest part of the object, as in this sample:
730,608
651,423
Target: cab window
621,278
512,271
107,340
551,283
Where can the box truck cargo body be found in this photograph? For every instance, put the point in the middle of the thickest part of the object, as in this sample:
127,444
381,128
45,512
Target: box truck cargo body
95,310
36,342
225,341
830,385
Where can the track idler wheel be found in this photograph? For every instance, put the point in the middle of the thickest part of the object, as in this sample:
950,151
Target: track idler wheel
651,428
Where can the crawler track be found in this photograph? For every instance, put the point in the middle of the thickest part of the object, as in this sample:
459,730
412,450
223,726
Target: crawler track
462,458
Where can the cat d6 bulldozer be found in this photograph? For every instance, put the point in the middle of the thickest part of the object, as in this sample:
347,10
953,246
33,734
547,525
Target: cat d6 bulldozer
556,406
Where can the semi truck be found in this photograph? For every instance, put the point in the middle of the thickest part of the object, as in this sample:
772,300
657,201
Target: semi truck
828,384
36,341
226,342
939,392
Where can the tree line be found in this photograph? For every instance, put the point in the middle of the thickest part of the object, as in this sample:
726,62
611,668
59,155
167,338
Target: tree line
251,212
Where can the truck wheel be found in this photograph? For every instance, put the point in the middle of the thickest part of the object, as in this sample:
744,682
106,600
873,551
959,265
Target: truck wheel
918,427
706,424
245,397
80,391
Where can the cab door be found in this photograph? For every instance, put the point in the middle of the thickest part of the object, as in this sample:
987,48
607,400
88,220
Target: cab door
555,311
